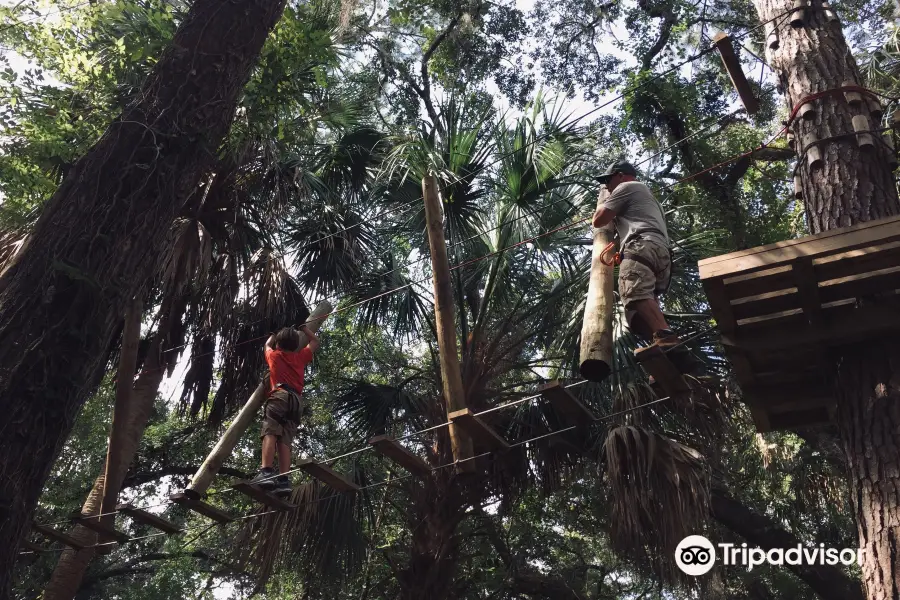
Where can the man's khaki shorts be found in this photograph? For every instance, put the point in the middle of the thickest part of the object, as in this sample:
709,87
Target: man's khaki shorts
282,413
637,281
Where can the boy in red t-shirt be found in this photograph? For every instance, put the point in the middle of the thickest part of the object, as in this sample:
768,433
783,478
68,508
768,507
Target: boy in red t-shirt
283,408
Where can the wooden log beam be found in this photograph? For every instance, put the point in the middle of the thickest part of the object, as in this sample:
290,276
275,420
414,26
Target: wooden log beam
597,325
478,430
445,322
192,501
57,536
98,524
204,476
657,364
327,475
390,448
262,496
147,518
732,64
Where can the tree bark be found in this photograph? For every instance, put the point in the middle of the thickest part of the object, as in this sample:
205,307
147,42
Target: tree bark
67,576
850,186
98,240
830,583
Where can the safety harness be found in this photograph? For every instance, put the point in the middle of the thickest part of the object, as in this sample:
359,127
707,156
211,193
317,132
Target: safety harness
618,257
294,412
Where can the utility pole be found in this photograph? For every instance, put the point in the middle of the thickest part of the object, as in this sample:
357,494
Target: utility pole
845,179
445,322
597,326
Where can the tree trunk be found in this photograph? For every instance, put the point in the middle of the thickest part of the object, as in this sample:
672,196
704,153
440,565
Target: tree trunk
434,551
850,186
69,572
98,240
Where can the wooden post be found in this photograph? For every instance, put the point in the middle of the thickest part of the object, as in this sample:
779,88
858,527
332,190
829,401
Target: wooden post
131,337
732,64
597,326
204,476
445,321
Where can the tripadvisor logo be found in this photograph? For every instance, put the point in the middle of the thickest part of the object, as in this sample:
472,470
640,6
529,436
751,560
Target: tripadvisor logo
695,555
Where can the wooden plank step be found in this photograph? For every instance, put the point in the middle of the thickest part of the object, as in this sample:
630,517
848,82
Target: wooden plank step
390,448
326,475
192,501
573,411
57,536
657,364
32,547
262,496
96,524
861,260
147,518
478,430
761,282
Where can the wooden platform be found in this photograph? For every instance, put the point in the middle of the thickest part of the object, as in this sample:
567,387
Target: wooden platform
390,448
786,308
480,432
666,375
327,475
262,496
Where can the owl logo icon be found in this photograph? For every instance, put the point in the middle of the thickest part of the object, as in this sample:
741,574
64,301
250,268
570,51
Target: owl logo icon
695,555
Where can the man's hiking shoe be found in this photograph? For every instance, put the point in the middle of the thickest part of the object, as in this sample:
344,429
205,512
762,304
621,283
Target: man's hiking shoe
282,486
666,339
265,479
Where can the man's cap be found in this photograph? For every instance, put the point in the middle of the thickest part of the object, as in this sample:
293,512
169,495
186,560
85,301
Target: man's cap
619,166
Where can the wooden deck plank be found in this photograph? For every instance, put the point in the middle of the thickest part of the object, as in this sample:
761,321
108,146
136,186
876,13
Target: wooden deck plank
57,536
834,331
830,242
657,364
761,282
197,505
859,286
262,496
573,411
861,260
96,524
391,449
478,430
147,518
766,304
327,475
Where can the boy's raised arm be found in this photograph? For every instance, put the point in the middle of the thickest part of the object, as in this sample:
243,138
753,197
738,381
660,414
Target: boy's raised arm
270,343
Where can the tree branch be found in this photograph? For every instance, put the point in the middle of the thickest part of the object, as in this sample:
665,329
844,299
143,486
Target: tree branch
425,91
665,30
830,583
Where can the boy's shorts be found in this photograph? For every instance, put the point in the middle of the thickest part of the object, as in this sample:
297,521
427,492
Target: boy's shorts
282,412
637,280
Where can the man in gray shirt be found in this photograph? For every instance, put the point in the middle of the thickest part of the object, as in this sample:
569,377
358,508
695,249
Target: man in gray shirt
646,267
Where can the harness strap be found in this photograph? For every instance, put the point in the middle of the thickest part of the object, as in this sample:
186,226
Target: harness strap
646,262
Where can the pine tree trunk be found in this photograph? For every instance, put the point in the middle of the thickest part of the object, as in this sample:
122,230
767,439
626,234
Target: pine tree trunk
99,238
851,186
70,569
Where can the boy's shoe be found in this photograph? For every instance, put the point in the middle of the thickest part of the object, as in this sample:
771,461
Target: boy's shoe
265,479
282,486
